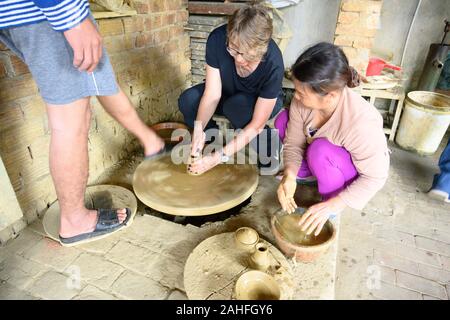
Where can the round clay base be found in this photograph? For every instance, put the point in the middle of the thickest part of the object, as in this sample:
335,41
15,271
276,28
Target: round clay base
102,196
215,265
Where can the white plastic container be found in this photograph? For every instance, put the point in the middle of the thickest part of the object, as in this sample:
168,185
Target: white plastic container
425,120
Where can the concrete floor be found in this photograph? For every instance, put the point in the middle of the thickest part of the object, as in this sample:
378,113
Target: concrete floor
397,248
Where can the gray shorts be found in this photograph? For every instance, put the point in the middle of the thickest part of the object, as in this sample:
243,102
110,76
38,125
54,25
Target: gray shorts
50,60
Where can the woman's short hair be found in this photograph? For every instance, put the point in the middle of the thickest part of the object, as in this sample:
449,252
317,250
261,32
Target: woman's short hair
251,27
325,68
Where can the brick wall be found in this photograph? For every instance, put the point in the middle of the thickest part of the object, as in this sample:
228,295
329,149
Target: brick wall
150,55
358,23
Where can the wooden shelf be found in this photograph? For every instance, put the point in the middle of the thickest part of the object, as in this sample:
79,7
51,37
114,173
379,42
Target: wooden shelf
215,7
109,14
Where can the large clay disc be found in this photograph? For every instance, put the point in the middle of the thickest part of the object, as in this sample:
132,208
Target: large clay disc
215,265
102,196
168,188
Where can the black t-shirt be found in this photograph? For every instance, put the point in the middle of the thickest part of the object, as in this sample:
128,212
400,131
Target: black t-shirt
265,81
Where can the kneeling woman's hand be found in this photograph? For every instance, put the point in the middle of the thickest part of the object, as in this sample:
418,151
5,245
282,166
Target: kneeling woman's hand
205,163
286,192
198,140
317,215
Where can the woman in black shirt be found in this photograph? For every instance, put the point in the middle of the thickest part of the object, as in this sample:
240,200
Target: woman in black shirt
244,75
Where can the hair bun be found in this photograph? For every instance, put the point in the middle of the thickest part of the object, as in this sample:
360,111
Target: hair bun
354,79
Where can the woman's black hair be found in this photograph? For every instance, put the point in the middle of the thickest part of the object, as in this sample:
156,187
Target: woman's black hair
325,68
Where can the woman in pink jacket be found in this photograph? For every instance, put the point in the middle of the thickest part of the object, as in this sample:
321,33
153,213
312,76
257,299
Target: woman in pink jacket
333,134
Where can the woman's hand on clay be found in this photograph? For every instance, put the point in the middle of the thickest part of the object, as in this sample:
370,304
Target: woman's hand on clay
317,215
198,141
286,192
205,163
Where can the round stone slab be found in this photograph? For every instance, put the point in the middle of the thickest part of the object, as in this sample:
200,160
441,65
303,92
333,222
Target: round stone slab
96,197
215,265
168,188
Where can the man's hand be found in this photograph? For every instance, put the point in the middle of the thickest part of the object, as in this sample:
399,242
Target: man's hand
86,43
286,192
317,215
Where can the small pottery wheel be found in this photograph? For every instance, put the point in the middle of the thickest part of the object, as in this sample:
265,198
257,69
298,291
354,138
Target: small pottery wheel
168,188
102,196
294,242
213,268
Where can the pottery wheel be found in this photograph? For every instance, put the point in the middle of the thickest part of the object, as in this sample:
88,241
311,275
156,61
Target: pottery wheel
168,188
102,196
215,265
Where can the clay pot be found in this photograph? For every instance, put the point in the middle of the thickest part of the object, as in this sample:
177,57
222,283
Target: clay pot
260,259
246,238
257,285
303,251
165,130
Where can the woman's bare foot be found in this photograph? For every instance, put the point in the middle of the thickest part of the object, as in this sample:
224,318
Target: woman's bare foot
84,222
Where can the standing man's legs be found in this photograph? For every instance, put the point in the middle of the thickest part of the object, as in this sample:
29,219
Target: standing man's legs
69,125
66,92
121,109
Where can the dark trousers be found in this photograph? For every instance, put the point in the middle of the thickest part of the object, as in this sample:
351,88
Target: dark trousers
238,109
442,180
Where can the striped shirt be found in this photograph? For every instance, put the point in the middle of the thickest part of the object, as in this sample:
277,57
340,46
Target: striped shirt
61,14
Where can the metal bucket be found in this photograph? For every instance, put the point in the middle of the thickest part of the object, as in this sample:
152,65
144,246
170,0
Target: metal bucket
425,120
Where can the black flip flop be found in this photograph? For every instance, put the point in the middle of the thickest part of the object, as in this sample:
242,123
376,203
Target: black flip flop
107,223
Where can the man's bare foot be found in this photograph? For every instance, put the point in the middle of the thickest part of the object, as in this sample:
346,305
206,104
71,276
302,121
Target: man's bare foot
84,222
152,144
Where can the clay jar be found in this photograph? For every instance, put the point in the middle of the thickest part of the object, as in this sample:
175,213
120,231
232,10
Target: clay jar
260,259
246,238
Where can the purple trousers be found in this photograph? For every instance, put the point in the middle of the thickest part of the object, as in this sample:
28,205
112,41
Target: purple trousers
331,165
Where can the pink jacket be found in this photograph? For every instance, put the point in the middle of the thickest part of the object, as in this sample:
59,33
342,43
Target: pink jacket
357,126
